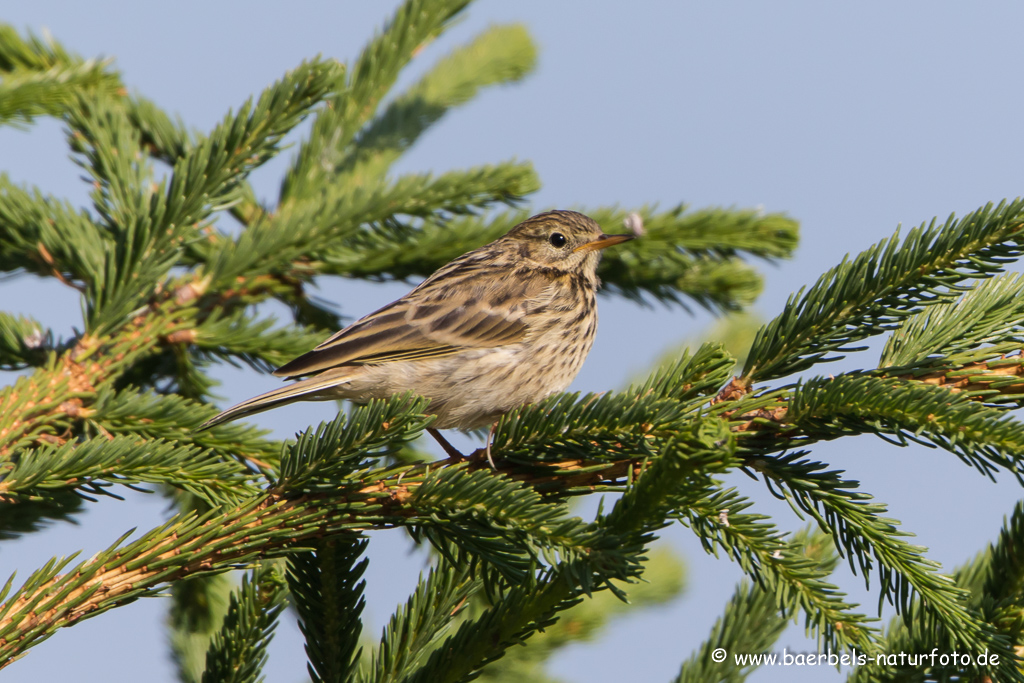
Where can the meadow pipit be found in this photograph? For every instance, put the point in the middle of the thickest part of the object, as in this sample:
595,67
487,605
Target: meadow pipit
502,326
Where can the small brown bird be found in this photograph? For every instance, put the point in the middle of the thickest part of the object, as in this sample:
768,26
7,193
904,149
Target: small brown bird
502,326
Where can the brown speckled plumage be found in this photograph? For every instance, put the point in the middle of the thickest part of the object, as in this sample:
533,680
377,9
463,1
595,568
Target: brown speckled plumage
504,325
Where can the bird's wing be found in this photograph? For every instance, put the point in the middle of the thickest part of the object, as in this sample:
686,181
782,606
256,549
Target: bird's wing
428,322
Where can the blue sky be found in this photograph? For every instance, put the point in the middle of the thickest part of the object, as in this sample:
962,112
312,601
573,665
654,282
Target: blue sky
851,119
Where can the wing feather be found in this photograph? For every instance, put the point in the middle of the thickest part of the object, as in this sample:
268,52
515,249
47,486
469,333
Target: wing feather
426,323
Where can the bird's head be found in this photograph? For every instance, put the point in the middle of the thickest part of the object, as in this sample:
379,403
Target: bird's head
560,240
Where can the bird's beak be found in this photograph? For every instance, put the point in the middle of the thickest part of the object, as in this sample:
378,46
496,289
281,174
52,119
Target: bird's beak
604,241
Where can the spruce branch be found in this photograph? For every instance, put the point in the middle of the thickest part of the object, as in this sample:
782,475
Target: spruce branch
205,179
197,611
994,578
94,466
865,536
417,627
502,527
25,95
719,285
588,620
335,450
23,342
521,613
150,225
995,382
694,254
239,651
174,418
109,149
501,54
162,137
884,285
46,236
983,437
1000,567
712,232
266,526
690,377
522,610
312,229
43,406
752,621
983,323
327,590
39,78
414,23
139,248
780,568
598,427
235,336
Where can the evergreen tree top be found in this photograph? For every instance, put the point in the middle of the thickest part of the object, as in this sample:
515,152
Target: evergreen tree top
170,287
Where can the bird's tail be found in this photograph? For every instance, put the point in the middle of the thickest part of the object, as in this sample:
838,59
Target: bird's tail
298,391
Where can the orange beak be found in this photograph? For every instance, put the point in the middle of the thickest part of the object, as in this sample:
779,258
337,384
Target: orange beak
604,241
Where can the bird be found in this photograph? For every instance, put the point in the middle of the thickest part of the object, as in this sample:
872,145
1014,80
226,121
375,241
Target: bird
499,327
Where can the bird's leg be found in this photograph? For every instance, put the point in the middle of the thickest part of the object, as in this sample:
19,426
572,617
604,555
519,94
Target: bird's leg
490,438
453,454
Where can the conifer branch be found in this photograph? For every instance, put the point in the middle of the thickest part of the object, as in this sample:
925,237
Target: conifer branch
417,627
753,620
521,613
501,526
881,287
585,622
239,651
994,578
25,94
865,536
327,590
44,406
985,438
235,336
269,525
311,230
751,623
501,54
23,342
197,611
998,381
780,568
985,322
694,254
522,610
175,418
95,465
40,78
46,236
415,23
335,450
162,137
707,232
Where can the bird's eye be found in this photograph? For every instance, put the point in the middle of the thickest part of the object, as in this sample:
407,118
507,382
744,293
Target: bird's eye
557,239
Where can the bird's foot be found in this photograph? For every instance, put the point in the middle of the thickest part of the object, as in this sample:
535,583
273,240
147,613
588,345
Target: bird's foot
454,455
